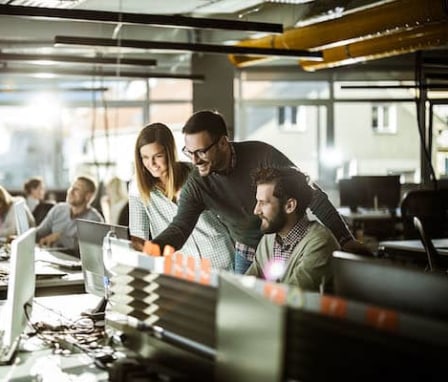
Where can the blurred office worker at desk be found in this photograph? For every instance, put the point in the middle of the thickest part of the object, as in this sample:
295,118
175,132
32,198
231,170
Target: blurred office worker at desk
58,229
293,250
114,200
222,183
8,218
34,189
154,196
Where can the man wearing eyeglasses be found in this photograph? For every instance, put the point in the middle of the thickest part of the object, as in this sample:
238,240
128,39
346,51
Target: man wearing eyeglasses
222,184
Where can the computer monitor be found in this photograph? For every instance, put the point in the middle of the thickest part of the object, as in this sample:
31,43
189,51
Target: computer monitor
386,283
90,237
349,194
370,191
21,287
22,224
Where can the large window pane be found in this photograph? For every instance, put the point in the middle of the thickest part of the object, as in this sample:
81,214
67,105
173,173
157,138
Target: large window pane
365,152
262,123
285,90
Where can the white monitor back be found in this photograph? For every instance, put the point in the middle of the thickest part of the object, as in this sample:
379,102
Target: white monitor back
22,224
21,286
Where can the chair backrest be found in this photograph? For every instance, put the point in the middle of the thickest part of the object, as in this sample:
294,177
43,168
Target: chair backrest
430,206
434,263
41,211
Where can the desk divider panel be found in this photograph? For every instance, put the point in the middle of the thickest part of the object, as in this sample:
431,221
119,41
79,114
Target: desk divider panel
256,330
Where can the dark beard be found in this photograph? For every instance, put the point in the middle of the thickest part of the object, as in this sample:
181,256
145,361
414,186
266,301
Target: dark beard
276,224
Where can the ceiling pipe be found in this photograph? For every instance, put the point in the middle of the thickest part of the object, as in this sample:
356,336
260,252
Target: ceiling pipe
384,19
425,37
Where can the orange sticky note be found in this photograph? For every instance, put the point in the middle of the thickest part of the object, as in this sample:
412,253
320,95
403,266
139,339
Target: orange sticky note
275,293
151,249
206,268
333,306
190,272
168,265
382,318
179,265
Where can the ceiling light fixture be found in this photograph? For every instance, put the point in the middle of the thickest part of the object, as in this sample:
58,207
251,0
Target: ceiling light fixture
77,59
53,89
103,73
141,18
189,47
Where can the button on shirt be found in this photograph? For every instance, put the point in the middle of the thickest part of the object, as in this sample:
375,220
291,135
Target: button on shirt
283,247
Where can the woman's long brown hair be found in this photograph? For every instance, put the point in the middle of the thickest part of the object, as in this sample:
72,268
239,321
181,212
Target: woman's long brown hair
177,174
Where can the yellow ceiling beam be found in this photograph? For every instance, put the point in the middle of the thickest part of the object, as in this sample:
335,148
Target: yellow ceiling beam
387,18
425,37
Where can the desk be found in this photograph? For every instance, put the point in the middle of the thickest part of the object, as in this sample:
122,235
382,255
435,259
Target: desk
412,250
378,223
37,363
71,282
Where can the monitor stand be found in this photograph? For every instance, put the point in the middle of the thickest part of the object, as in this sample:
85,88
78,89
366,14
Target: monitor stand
354,209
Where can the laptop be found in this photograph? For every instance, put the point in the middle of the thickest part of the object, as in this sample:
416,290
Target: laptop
18,305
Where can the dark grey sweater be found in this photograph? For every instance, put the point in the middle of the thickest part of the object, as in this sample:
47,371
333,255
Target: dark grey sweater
231,196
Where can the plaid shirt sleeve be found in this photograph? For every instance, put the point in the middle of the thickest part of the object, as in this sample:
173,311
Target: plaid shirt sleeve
138,218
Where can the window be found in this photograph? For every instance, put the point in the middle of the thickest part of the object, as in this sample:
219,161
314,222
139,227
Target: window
292,118
384,119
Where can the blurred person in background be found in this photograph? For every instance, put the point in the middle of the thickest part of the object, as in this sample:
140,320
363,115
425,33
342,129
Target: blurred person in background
114,200
34,192
58,229
8,221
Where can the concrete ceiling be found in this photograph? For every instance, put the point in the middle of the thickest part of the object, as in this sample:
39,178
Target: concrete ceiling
33,35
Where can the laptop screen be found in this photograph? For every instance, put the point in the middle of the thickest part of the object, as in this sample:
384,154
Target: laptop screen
90,236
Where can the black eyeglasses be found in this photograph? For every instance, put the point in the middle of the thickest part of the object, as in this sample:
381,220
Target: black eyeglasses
200,153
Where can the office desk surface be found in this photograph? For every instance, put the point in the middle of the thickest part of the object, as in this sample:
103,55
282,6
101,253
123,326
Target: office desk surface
37,363
415,245
367,214
71,283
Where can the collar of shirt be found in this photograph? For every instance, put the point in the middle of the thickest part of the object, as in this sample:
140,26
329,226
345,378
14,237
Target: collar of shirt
232,161
283,247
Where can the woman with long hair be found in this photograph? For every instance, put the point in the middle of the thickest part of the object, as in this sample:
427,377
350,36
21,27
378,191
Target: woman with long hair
153,196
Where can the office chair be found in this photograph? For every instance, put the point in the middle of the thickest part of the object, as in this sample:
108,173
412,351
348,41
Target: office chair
42,210
434,263
430,206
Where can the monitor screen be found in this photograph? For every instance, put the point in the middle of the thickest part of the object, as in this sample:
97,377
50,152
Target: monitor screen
90,236
385,283
20,289
370,191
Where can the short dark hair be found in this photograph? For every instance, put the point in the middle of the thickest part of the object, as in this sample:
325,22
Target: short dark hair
89,182
32,183
289,182
206,120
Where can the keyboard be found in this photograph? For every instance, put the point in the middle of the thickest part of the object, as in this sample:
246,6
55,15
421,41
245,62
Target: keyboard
58,259
74,265
4,274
